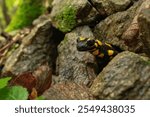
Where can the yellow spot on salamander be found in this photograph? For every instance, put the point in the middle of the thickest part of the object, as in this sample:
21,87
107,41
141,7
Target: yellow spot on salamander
110,52
82,38
96,45
108,45
99,42
96,52
101,55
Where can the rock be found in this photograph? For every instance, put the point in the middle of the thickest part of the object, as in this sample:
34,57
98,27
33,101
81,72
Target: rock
131,35
3,41
127,76
112,28
67,91
41,18
34,50
44,78
108,7
67,14
71,64
144,28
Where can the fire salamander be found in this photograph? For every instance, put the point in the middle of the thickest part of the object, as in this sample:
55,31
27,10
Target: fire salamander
103,52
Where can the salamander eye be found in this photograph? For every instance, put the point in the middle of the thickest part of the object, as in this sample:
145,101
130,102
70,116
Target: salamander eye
90,42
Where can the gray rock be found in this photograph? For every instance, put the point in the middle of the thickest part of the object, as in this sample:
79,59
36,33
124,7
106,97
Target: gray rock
41,18
71,64
108,7
66,14
131,36
33,51
112,28
144,28
3,41
127,76
67,91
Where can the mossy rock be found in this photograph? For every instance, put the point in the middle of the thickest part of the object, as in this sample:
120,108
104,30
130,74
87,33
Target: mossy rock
68,14
66,19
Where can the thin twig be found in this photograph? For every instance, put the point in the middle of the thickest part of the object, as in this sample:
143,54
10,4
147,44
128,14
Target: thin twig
8,45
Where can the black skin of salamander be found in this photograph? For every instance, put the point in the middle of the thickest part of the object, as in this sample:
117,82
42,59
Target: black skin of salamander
83,45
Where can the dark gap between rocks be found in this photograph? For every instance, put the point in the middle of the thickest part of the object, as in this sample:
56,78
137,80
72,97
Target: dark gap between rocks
56,38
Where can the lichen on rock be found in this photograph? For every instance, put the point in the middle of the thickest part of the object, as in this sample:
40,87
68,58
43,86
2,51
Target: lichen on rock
71,64
112,28
33,50
127,76
68,91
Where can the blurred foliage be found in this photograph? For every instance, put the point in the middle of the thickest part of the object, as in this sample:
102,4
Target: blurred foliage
12,93
11,7
12,3
40,98
4,82
27,11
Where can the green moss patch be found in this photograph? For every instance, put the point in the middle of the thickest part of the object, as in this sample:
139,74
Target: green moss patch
66,19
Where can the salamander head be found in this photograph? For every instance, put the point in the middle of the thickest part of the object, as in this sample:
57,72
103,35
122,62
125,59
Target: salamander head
85,44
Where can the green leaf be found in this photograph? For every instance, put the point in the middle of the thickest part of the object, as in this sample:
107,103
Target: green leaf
40,98
4,82
13,93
